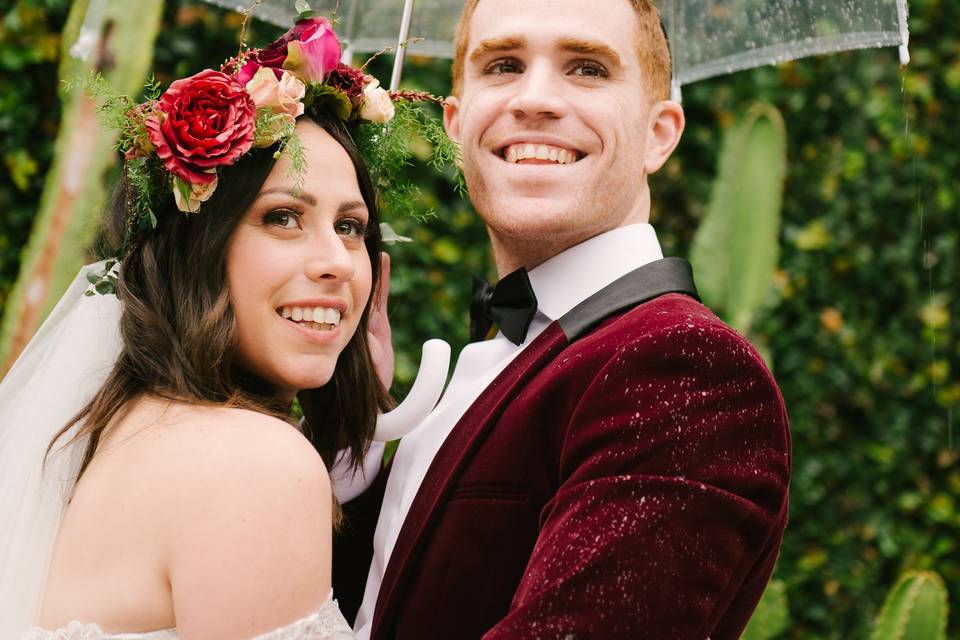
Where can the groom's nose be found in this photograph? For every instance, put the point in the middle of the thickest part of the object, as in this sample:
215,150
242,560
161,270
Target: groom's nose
538,93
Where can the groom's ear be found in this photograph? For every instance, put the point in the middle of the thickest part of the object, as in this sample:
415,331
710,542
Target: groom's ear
665,126
451,117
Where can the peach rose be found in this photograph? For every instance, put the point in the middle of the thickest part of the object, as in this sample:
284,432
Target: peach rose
281,96
189,196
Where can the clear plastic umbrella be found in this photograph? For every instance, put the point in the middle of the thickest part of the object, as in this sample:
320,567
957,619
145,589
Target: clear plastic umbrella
707,37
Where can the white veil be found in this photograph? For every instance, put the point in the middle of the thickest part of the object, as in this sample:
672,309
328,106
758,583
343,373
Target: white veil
56,375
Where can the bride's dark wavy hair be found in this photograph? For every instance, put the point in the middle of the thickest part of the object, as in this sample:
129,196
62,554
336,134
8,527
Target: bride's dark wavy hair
179,332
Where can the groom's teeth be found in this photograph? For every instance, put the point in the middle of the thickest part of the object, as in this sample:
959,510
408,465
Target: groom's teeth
516,152
315,317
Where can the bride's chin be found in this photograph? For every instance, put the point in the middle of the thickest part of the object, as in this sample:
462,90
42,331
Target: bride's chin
292,385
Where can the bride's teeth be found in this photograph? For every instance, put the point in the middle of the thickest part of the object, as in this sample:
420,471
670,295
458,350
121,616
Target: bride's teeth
315,317
554,154
543,153
512,154
529,151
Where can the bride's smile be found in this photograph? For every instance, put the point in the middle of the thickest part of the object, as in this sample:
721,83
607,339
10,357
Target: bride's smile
298,269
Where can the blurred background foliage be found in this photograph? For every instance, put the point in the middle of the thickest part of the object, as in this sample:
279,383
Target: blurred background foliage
861,325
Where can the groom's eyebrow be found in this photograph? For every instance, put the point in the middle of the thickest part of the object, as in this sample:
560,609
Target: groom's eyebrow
592,48
580,46
497,45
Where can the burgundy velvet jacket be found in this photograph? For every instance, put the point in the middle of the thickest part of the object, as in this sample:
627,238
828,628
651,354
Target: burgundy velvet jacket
624,477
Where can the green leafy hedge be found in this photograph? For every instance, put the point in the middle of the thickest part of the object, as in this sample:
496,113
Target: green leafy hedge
861,327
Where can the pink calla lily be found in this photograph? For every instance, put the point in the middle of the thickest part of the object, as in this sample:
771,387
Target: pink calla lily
315,54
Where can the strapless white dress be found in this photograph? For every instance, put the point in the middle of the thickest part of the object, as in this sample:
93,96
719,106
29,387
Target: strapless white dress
326,624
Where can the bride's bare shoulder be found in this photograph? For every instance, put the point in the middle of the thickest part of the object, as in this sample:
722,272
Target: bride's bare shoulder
200,449
241,506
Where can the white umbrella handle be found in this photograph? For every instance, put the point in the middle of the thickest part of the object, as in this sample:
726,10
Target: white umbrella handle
423,397
402,44
904,32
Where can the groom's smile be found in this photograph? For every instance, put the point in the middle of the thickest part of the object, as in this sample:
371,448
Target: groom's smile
533,152
553,117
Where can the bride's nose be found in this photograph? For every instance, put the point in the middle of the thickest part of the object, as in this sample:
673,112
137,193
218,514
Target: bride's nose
330,259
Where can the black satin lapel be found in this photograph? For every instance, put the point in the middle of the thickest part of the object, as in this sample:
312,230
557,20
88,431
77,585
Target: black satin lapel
668,275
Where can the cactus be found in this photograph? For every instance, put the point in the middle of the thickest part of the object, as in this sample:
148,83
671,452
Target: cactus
75,192
772,615
915,609
736,249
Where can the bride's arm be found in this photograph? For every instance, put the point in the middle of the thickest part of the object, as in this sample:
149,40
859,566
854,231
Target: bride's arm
250,546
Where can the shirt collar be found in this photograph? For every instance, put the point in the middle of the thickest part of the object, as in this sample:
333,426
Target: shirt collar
572,276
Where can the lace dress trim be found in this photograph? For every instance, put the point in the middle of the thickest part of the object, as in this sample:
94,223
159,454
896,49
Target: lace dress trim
326,624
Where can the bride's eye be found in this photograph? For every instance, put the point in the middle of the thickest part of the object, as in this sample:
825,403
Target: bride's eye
350,227
286,218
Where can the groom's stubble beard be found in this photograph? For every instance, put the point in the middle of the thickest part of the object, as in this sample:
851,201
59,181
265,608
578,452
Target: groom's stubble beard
525,230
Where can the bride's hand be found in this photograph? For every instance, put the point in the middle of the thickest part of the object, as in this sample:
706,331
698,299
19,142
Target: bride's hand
378,326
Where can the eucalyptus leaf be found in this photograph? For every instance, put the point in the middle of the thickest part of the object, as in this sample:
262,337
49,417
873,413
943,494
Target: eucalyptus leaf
302,7
104,287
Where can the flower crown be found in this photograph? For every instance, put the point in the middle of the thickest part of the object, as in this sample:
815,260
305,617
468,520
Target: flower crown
178,139
214,118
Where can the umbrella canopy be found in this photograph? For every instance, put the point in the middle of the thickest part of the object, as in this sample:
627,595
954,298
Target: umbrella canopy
707,37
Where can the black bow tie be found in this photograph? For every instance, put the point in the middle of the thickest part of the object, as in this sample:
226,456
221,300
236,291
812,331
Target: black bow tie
511,304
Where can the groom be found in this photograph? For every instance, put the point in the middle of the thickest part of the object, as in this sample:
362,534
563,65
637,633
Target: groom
614,463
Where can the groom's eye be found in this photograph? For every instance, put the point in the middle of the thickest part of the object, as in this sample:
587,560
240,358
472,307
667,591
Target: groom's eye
503,65
588,69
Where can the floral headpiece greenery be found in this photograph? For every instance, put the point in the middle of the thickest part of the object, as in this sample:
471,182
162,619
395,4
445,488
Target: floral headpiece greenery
177,140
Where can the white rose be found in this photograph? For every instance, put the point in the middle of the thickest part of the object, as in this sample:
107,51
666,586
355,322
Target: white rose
189,197
377,105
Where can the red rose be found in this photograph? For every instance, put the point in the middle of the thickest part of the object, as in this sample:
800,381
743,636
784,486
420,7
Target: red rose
349,80
202,122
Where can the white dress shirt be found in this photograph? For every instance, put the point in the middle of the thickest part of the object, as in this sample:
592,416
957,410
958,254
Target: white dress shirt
560,284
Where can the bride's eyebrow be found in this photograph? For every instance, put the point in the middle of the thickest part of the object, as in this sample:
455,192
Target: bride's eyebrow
349,207
299,195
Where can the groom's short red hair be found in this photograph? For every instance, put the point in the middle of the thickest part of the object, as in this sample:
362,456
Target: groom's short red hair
654,52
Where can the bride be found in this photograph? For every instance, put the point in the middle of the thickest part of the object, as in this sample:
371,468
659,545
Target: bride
249,245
